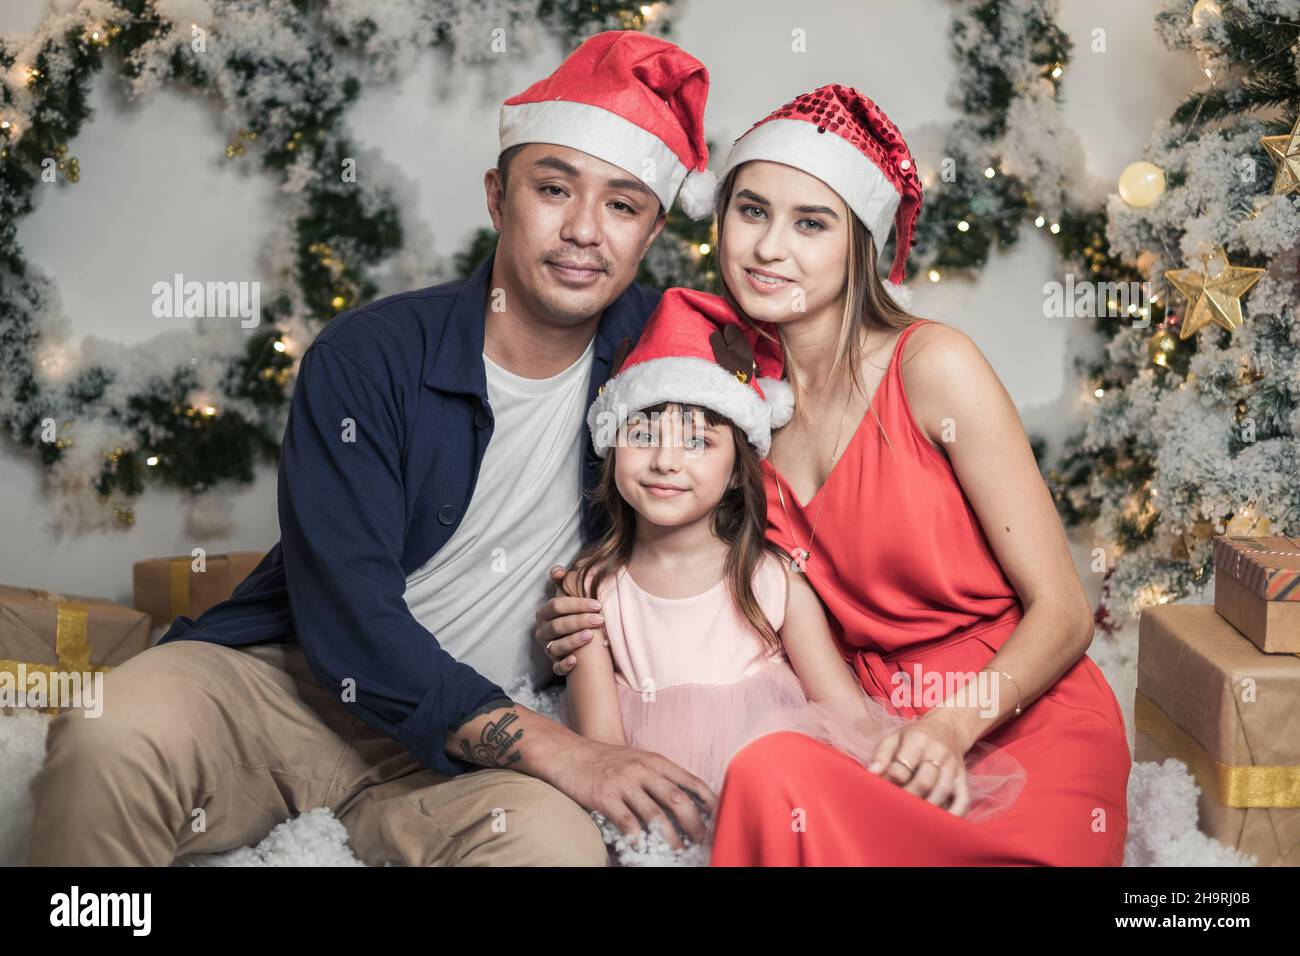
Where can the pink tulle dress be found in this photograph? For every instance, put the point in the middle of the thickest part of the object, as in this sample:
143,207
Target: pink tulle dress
696,683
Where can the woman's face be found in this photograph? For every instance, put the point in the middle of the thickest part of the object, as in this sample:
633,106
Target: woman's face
785,243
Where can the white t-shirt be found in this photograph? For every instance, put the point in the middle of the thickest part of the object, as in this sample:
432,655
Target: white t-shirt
478,594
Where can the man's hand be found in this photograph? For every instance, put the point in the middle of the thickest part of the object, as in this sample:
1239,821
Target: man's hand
629,787
635,789
562,624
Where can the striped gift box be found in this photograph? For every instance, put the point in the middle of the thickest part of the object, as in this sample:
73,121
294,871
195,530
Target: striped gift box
1257,589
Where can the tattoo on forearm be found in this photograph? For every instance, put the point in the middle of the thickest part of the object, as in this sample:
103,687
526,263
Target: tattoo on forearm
494,747
496,703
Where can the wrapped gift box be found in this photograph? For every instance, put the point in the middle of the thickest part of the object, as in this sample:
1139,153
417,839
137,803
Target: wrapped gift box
1231,712
1257,589
167,588
42,632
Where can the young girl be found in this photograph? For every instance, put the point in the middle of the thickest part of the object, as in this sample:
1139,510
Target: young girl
710,638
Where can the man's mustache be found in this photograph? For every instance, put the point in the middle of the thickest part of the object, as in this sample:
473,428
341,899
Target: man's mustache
573,262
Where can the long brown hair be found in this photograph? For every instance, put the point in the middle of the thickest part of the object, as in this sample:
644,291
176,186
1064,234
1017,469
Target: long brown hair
865,298
740,520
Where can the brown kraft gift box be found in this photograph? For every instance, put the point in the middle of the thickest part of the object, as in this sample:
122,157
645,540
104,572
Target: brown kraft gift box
1215,701
45,632
168,588
1257,589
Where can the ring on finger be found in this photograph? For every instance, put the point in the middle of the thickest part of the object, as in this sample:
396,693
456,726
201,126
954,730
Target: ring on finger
910,768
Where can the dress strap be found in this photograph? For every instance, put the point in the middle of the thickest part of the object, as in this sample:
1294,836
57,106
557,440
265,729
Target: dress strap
896,360
884,391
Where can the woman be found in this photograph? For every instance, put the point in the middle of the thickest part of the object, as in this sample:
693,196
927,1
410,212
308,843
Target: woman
924,527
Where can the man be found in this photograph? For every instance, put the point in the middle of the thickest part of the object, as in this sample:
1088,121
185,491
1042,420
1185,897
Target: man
430,474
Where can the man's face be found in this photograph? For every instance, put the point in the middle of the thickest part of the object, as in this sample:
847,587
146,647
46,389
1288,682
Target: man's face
573,229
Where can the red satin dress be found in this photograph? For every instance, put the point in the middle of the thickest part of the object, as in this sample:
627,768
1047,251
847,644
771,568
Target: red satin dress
910,582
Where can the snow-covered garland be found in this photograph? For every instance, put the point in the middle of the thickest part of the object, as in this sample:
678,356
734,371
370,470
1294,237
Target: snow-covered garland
195,409
1008,158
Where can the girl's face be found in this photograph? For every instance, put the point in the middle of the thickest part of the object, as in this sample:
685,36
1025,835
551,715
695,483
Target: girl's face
785,243
672,468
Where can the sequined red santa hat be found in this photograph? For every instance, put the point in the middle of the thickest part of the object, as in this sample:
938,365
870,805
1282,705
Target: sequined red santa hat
631,99
695,350
844,139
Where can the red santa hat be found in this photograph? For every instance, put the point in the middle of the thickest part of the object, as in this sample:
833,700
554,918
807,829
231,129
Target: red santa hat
844,139
695,350
633,100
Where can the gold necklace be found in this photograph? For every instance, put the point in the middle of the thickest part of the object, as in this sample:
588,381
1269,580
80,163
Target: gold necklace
801,556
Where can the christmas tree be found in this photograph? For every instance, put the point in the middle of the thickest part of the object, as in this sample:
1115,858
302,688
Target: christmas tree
1193,417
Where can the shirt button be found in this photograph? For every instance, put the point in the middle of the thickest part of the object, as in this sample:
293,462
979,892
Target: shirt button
482,419
446,514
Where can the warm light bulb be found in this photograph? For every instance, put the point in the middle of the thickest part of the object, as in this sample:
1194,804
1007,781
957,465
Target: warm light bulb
963,226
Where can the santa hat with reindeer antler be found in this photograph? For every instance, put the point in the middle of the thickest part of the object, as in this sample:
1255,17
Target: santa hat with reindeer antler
695,350
844,139
633,100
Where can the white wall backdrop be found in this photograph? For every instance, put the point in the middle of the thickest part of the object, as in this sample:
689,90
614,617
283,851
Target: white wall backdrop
157,196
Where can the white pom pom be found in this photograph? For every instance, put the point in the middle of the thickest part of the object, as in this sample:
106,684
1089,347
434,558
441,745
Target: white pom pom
900,294
696,195
780,398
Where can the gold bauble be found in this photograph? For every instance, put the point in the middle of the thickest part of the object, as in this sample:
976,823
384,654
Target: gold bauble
1205,11
1141,184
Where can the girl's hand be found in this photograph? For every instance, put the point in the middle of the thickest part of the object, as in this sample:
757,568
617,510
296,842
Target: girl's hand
562,625
926,758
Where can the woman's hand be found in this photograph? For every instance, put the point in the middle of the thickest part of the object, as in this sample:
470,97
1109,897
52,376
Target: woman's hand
562,624
926,758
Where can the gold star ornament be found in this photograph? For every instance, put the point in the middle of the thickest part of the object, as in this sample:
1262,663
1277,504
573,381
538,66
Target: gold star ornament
1284,150
1213,295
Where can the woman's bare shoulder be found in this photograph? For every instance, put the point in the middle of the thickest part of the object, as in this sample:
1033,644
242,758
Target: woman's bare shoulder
934,344
945,376
938,358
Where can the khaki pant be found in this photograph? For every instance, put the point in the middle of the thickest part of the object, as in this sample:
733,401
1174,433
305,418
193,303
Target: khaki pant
250,738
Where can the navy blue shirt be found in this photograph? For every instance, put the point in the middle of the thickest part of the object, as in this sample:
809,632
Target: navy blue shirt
382,447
